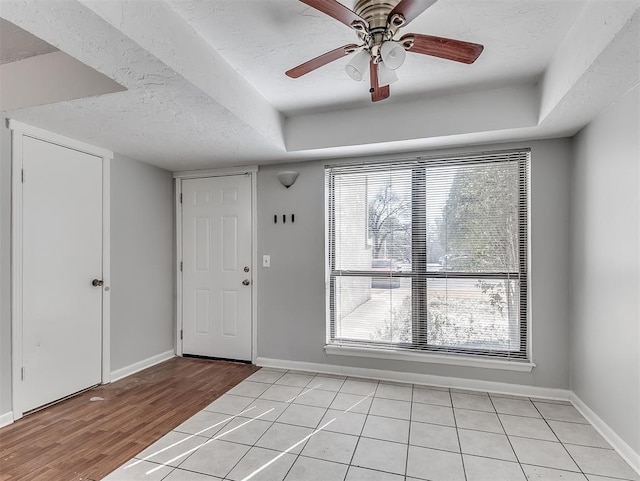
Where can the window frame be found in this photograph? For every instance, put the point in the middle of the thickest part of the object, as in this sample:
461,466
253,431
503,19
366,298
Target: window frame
419,272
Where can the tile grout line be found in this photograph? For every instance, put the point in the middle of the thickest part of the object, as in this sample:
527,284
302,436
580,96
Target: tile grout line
233,417
209,438
290,403
406,462
455,423
222,425
325,413
434,404
329,408
524,474
561,443
286,451
216,437
259,437
355,448
369,414
339,462
305,443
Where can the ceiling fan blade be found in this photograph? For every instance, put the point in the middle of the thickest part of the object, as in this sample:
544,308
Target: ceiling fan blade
377,93
321,60
447,48
336,10
410,9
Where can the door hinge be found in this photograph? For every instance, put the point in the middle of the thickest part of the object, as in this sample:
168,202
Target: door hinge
22,373
22,175
180,266
180,333
181,198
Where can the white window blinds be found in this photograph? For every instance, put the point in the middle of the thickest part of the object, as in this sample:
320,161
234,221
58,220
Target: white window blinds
430,254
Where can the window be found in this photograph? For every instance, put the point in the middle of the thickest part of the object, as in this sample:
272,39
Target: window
445,266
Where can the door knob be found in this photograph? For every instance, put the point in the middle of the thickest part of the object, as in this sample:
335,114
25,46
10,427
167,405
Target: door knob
246,282
97,282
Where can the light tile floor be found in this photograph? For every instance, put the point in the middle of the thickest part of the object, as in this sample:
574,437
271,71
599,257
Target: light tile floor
283,425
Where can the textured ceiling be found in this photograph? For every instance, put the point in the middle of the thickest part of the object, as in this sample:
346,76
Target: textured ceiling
271,37
205,83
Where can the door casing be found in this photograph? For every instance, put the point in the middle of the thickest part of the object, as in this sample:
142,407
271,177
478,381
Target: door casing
18,131
198,174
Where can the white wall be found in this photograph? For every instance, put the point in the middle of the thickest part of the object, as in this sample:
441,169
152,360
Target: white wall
605,241
291,293
142,262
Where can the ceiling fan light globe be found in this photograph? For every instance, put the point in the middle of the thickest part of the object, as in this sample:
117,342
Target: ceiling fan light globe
386,76
393,54
358,65
353,73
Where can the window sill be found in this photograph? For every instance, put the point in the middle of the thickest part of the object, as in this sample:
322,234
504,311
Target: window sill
451,360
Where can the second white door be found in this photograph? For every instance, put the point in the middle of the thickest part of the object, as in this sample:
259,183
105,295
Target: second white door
217,277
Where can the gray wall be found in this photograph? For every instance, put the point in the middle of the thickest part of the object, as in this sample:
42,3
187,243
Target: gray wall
5,268
142,262
291,293
605,239
142,253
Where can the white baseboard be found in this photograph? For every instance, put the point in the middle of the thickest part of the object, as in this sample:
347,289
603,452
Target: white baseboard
415,378
6,419
140,365
621,447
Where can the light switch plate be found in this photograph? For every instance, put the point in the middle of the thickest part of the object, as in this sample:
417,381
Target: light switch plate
266,261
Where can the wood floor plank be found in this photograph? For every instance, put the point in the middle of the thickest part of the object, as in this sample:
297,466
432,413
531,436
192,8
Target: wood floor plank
82,440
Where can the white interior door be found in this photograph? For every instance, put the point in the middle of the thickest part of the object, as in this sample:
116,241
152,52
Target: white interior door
216,243
62,254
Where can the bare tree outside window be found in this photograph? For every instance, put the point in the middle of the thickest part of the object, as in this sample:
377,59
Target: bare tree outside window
390,218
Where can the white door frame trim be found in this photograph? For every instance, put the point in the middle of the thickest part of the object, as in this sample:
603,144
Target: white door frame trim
18,131
223,172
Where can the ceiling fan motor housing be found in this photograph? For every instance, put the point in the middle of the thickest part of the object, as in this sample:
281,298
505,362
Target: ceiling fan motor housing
380,27
375,12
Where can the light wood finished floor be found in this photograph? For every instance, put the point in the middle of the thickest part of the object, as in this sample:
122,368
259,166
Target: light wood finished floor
79,439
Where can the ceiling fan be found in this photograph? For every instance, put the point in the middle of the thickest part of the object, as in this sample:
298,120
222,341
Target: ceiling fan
377,22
